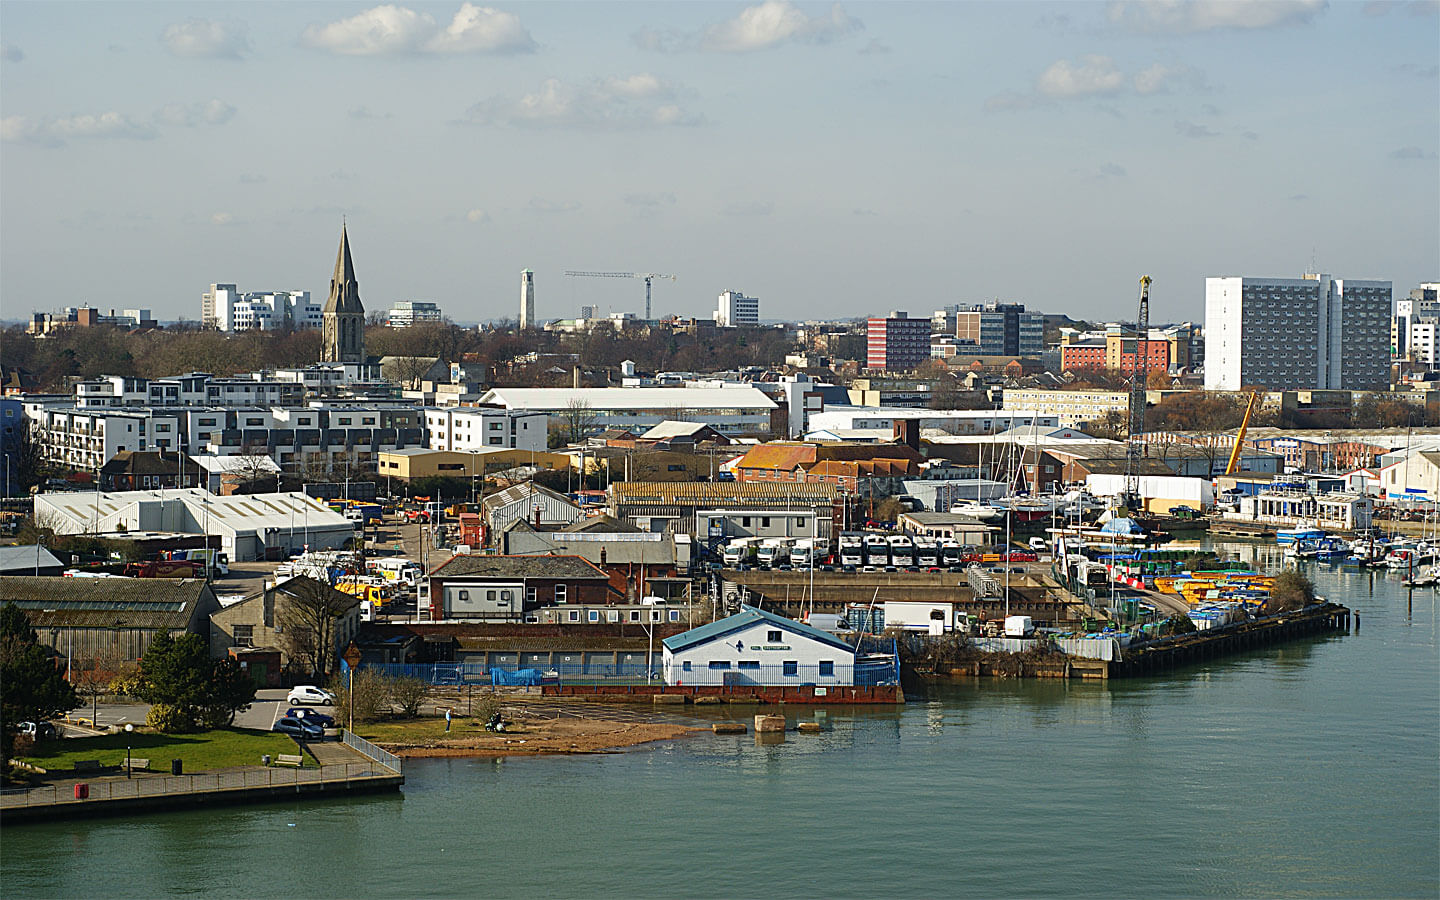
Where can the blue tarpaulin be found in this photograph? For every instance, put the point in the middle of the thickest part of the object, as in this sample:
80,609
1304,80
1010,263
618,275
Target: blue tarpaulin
518,677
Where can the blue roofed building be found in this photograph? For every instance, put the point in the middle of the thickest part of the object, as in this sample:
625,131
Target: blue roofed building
758,648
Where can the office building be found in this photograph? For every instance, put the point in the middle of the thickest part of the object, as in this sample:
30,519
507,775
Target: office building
579,412
897,343
1412,329
992,329
527,299
735,309
1311,333
407,312
224,308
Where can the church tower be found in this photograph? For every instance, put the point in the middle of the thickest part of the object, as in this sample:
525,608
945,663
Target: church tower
342,326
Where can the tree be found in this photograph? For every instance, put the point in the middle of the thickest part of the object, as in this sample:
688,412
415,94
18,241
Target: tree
579,419
31,686
1291,590
408,370
94,676
360,697
309,619
187,689
408,693
29,460
252,464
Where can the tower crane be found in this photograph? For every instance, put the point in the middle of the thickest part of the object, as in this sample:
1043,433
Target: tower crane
1135,450
647,276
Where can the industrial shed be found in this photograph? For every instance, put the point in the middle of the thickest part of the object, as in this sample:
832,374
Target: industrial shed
86,618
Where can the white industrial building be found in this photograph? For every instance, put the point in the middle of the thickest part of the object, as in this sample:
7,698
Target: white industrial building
950,421
1078,407
1311,333
226,309
754,647
734,309
1159,493
730,409
248,525
477,428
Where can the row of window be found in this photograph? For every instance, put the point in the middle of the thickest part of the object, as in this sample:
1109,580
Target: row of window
787,667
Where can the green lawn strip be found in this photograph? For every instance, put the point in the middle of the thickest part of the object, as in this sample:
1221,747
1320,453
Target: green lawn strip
218,749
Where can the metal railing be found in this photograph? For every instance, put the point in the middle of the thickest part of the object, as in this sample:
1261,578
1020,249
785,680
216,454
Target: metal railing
111,788
365,748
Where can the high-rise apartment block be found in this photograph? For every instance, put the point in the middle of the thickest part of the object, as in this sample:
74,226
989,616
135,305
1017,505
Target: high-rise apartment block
992,329
226,309
735,309
1311,333
1413,327
407,312
897,343
527,299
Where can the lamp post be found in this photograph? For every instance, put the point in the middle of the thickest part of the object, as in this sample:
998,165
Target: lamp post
128,730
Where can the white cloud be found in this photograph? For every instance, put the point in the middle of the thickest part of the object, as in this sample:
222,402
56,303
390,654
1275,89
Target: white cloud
636,101
54,132
1195,16
398,30
759,27
1112,170
203,38
193,115
1159,78
1194,130
11,53
477,216
223,218
1094,75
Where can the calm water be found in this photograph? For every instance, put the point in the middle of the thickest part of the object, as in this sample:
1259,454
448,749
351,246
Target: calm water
1308,770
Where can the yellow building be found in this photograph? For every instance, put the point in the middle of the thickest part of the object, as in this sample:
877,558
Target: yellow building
417,462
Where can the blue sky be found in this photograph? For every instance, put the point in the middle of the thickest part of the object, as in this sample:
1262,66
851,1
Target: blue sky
834,160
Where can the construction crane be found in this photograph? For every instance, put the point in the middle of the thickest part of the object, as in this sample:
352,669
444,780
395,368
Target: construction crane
647,276
1240,435
1135,450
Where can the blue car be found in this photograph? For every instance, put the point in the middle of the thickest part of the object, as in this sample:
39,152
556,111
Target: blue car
310,715
299,729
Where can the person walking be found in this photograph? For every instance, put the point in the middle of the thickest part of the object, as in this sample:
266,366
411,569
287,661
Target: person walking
447,720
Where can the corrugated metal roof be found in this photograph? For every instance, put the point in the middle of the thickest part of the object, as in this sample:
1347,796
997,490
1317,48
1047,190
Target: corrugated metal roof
105,602
522,492
710,493
24,559
747,616
778,457
617,398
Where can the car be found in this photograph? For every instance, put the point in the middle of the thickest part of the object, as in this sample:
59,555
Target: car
39,731
310,715
299,728
309,695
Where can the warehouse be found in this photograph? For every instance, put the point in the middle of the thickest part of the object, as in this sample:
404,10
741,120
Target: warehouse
110,618
251,526
754,647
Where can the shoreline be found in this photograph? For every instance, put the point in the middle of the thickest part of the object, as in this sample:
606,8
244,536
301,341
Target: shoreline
543,737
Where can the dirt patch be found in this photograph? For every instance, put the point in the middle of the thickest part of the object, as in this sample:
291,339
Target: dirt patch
538,736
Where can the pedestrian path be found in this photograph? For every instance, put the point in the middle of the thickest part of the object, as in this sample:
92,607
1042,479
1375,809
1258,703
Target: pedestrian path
335,754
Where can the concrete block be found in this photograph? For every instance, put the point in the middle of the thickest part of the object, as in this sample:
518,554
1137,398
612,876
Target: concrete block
769,724
670,699
809,728
707,701
729,728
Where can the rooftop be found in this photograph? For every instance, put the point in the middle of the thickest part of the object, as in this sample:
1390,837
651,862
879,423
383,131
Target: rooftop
490,566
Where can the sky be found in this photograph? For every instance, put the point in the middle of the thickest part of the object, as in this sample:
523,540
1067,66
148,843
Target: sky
834,160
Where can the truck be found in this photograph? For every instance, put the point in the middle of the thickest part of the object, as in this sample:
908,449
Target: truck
1019,626
902,551
165,568
877,550
739,551
772,552
397,570
218,560
927,552
802,555
852,551
916,615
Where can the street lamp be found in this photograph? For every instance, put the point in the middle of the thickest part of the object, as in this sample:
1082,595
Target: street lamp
128,729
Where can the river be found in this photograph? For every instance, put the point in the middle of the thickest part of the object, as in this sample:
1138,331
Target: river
1311,769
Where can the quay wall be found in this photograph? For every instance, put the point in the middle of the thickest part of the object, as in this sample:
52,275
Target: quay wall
643,693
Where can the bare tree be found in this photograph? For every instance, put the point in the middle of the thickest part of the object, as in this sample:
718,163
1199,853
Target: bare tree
408,370
316,467
93,677
309,617
252,464
579,419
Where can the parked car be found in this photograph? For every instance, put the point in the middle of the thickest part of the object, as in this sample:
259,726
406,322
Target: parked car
309,695
310,715
299,728
40,731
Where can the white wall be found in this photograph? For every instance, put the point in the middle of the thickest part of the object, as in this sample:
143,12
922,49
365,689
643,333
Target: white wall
805,651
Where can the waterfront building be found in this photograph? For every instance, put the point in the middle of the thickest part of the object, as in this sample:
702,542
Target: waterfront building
730,408
407,312
755,647
734,309
259,621
343,319
98,618
1316,332
896,343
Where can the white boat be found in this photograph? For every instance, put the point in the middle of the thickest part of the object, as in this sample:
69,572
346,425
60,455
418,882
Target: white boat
976,510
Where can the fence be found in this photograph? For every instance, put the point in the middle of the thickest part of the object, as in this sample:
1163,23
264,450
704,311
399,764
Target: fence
110,788
365,748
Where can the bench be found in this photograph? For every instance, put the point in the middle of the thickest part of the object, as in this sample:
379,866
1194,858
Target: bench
135,764
288,759
87,765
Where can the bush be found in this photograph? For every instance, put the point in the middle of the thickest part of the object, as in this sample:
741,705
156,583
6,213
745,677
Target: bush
363,694
485,706
1180,624
168,719
407,693
24,745
1291,590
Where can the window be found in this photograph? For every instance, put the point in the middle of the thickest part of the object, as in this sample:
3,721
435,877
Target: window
489,595
750,664
574,615
719,664
368,420
634,615
497,441
744,521
244,635
559,593
827,668
789,667
685,666
506,597
764,521
495,426
594,615
465,595
657,615
674,615
773,637
345,420
530,596
210,422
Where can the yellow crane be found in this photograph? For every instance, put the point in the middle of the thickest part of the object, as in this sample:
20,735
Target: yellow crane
1240,435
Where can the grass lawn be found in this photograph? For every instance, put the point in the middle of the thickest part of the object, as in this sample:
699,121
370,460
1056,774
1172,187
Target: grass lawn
201,751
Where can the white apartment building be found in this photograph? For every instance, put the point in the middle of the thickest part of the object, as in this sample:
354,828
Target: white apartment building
226,309
84,439
951,421
407,312
471,428
1412,329
735,309
1311,333
1068,408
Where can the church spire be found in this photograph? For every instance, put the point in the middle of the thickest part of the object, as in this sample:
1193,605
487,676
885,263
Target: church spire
342,322
344,268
